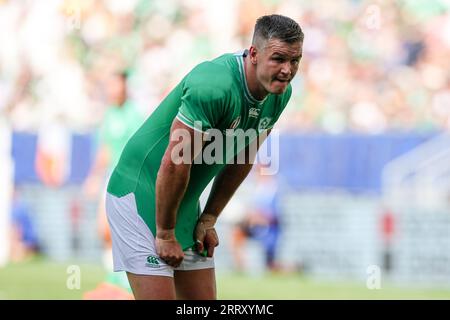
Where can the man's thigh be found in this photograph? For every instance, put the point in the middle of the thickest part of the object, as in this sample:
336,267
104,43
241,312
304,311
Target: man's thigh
195,284
146,287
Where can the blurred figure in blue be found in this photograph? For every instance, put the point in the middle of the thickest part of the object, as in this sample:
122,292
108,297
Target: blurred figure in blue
261,222
24,239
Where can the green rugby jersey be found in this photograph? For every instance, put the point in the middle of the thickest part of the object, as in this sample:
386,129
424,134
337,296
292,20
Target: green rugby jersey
214,93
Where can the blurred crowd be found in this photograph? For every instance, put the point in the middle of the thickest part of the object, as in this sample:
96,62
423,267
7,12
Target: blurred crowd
368,66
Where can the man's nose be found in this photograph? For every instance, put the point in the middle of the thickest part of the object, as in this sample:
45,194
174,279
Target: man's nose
286,69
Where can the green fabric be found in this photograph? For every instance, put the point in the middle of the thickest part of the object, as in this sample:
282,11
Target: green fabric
214,93
117,127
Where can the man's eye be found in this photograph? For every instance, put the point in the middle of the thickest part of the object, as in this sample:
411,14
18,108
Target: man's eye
278,59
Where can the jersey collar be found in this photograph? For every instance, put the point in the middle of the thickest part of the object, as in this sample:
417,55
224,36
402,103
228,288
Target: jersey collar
240,60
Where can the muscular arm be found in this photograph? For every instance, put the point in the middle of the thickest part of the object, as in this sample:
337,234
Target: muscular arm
224,186
171,184
230,178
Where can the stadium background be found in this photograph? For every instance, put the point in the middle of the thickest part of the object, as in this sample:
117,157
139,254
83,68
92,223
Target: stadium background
363,187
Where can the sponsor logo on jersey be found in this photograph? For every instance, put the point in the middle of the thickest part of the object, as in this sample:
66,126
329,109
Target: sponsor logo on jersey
253,112
152,262
235,123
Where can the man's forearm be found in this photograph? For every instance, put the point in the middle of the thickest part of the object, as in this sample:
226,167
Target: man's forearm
230,178
224,186
171,185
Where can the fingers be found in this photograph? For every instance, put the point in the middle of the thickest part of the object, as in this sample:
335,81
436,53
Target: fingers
199,238
211,241
199,246
210,251
172,260
170,252
206,238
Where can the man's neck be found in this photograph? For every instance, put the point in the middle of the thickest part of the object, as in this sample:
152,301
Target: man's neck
256,91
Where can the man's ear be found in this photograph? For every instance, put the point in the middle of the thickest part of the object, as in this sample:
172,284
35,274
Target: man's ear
253,54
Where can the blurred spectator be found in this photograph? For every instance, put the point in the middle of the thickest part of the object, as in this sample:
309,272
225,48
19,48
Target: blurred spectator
24,241
54,145
260,222
387,235
6,188
120,122
368,66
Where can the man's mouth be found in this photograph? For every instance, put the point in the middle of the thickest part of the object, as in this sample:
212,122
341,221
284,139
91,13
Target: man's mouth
282,80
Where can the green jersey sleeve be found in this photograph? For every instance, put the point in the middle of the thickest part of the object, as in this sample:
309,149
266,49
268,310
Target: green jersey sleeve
205,97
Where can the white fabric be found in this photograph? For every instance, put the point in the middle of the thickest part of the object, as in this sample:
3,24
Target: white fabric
133,243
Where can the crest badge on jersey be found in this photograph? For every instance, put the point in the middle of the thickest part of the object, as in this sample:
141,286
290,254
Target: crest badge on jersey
264,123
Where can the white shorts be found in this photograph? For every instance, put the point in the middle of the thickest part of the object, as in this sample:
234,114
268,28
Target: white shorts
133,243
